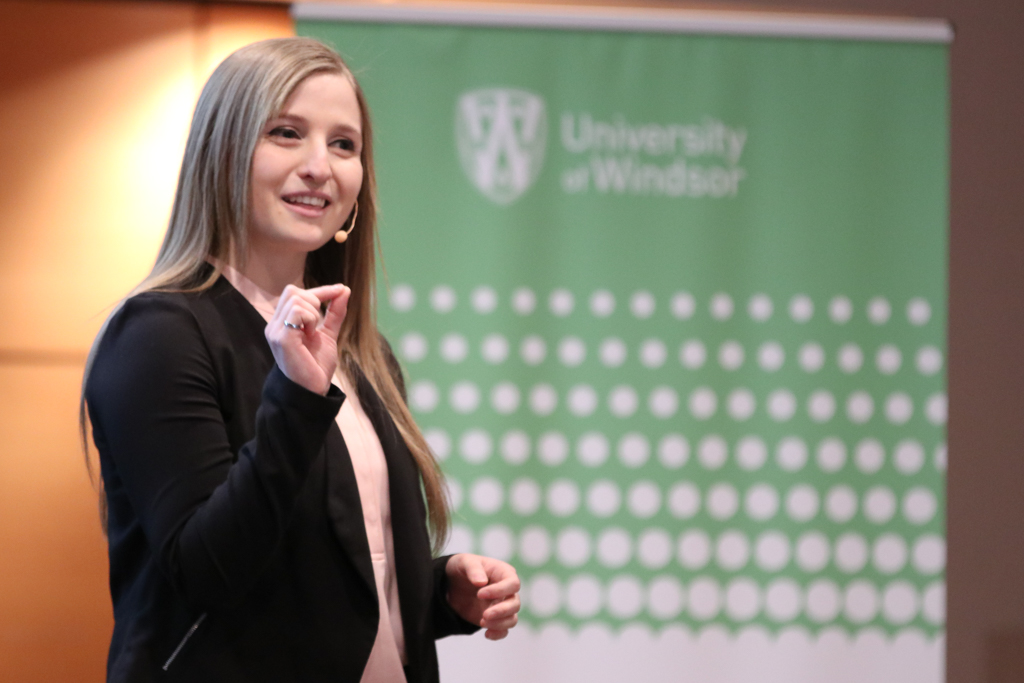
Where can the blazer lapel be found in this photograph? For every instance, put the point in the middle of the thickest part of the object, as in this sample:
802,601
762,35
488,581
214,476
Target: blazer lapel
345,508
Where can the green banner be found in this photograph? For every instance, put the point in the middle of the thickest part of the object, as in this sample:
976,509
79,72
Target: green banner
672,310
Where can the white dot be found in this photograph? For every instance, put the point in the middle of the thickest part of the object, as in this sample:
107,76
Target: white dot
515,447
919,505
801,308
603,498
464,397
561,302
771,356
762,502
454,492
879,310
703,403
791,454
812,552
653,353
623,401
782,600
644,499
424,396
879,504
460,540
545,595
673,451
475,446
664,598
732,551
533,350
869,456
692,354
443,299
683,305
494,349
523,301
484,299
505,398
694,549
898,408
571,351
403,298
823,601
654,548
811,357
602,303
929,360
851,552
614,547
850,358
831,455
712,452
841,504
705,599
861,602
730,355
563,498
524,496
625,597
612,352
534,550
760,307
888,359
751,453
889,554
772,551
641,304
936,409
439,441
940,457
860,407
722,501
899,602
582,400
663,402
741,404
742,600
572,547
933,604
414,347
821,406
543,399
592,449
781,405
552,448
919,311
840,309
486,495
498,542
929,556
721,306
802,503
683,500
634,450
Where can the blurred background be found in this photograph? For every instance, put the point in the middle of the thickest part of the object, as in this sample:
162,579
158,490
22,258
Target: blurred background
95,99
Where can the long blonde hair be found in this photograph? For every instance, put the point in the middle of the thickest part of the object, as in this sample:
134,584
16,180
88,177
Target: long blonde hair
211,211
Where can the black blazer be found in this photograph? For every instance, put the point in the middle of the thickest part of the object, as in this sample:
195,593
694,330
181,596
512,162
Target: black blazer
237,545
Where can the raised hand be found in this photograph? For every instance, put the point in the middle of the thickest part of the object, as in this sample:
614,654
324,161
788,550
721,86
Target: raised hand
484,591
304,345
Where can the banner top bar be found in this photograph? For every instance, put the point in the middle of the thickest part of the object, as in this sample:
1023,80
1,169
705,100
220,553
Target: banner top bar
773,24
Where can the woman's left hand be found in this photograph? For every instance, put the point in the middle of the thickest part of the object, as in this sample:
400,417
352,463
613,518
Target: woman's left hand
484,591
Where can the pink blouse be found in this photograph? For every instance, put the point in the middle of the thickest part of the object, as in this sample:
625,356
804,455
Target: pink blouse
388,654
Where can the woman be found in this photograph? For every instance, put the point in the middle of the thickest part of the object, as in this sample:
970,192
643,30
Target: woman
268,494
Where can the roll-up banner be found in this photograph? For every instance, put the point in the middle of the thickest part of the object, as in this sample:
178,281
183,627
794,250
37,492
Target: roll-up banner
669,289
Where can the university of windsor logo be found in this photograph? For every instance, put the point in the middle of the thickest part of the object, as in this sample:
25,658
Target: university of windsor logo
501,135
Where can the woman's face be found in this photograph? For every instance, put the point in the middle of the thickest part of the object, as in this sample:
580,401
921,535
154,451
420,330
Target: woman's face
306,170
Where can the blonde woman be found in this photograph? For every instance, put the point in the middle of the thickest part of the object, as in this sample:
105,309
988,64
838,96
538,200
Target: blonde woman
270,502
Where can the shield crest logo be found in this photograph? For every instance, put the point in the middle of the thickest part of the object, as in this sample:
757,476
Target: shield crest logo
501,135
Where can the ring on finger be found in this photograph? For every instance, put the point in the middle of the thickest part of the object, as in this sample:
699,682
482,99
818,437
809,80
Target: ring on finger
292,325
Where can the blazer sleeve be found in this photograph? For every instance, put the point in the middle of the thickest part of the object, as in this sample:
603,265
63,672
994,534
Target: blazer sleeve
213,518
447,621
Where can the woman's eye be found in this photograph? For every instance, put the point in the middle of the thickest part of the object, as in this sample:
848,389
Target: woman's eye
283,132
345,144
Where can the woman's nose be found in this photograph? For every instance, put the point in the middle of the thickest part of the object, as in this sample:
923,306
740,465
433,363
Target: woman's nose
316,165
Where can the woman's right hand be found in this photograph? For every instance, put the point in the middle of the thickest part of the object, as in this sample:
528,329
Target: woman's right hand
308,356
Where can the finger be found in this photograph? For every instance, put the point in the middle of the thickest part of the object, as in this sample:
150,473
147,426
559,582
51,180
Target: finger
500,624
493,634
500,590
323,294
473,570
336,310
503,609
301,313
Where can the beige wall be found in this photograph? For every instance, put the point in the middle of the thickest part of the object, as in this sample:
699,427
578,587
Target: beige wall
95,99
